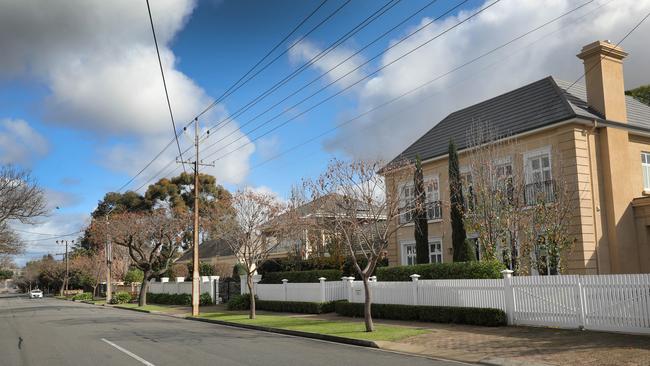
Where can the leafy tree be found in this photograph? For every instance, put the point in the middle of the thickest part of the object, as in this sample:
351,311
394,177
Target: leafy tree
205,269
178,194
5,274
128,201
133,276
642,94
458,234
421,226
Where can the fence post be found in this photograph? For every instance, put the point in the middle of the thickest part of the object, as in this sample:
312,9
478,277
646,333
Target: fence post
214,288
509,295
322,288
348,284
580,302
415,278
284,286
242,284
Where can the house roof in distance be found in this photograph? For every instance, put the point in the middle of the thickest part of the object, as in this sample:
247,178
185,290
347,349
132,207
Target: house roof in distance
538,104
209,249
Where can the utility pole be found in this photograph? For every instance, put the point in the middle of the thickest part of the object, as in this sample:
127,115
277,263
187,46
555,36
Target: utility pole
196,279
109,263
67,268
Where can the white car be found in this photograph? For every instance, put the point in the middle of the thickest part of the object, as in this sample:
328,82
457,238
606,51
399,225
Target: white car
33,294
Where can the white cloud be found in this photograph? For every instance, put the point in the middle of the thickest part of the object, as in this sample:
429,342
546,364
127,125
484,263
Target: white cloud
98,61
388,131
349,71
268,147
20,143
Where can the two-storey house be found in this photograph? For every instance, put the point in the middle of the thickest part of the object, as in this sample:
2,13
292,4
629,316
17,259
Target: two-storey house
604,139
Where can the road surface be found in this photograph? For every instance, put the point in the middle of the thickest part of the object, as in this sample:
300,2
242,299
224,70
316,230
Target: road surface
53,332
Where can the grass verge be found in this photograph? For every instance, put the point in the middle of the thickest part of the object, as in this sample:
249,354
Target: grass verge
146,307
354,330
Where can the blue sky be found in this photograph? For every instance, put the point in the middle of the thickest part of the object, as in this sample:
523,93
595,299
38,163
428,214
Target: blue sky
82,104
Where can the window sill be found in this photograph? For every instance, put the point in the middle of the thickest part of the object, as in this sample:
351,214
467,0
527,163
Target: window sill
433,221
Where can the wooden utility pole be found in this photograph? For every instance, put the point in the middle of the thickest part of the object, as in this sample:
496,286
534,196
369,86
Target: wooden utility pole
196,279
109,263
67,268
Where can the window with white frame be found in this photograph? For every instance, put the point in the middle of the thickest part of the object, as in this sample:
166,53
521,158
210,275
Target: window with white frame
408,254
407,200
407,197
645,166
435,251
503,176
467,186
434,207
539,179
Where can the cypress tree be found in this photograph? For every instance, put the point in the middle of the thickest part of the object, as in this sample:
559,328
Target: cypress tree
458,234
420,215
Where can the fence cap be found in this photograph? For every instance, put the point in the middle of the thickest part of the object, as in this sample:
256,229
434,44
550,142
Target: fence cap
415,277
321,279
284,280
507,273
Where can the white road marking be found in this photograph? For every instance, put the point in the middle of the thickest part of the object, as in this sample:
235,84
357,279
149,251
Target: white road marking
142,360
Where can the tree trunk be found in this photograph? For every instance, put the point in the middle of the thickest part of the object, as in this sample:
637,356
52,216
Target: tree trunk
251,292
142,300
94,291
367,314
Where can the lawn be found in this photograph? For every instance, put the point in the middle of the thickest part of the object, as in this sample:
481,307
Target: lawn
335,328
146,307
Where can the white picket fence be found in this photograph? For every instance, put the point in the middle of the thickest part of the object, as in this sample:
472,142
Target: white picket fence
600,302
209,284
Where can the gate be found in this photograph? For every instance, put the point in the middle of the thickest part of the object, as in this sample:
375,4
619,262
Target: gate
229,287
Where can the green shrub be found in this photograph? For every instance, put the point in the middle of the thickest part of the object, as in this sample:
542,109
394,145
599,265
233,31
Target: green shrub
84,296
296,306
205,299
302,277
315,263
133,276
239,302
170,299
443,271
437,314
121,298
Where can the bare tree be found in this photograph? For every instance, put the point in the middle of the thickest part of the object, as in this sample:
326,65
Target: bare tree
520,220
90,265
152,239
256,213
21,199
365,210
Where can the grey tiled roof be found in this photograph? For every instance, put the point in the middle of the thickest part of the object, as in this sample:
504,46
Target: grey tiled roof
538,104
210,249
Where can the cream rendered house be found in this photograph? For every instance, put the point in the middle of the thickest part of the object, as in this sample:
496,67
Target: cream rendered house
604,140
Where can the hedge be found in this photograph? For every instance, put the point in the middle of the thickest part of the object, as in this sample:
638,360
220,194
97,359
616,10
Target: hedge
345,265
436,314
84,296
301,307
443,271
304,276
177,299
239,302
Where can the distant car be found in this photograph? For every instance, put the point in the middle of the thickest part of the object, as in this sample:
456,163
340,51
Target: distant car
33,294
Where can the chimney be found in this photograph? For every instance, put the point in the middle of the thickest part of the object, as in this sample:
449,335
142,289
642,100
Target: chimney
604,78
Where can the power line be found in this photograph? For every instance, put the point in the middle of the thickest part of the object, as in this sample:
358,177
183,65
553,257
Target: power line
325,20
223,95
55,237
617,44
248,72
344,89
469,77
162,73
372,17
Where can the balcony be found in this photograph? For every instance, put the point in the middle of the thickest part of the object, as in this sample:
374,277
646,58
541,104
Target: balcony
543,191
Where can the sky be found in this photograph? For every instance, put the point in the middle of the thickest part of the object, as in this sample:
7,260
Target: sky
82,103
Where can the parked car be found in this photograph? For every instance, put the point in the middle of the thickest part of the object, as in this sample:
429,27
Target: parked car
36,293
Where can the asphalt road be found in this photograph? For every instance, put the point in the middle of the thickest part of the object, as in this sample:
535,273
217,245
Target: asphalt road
53,332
